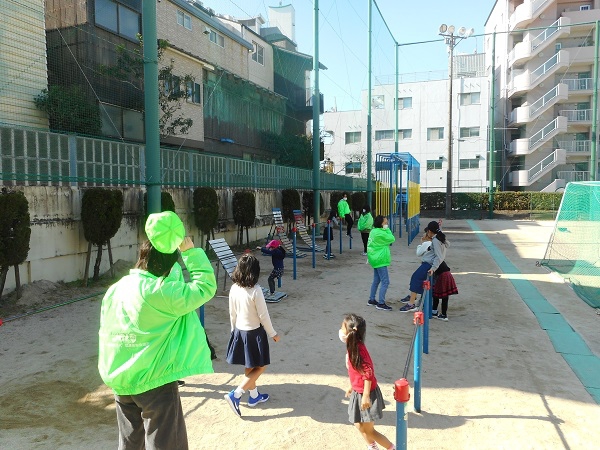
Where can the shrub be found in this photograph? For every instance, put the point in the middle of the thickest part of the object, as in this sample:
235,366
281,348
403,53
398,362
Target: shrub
244,213
357,201
15,231
290,200
308,207
206,210
166,203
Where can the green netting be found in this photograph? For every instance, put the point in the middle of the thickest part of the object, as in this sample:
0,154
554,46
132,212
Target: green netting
574,248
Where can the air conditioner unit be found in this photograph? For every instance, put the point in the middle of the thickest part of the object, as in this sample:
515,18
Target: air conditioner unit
206,30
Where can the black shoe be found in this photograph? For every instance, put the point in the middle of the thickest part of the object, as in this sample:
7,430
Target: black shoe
383,307
181,383
372,303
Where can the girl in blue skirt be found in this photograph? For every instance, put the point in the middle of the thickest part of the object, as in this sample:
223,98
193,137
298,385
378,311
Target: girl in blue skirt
250,329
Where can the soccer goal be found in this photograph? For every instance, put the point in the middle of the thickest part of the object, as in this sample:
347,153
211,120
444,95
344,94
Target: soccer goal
574,247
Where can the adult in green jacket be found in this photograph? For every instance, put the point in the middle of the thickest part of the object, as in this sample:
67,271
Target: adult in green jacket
380,257
365,223
150,336
344,211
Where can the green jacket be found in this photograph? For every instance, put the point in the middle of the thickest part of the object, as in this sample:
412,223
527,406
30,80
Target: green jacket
378,247
343,208
150,334
365,223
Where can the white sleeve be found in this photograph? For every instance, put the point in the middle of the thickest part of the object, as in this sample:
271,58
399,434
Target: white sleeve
423,248
263,312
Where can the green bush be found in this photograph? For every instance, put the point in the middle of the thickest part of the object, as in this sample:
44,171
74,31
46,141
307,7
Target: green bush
206,209
503,201
357,201
290,201
166,203
101,214
15,229
244,212
308,206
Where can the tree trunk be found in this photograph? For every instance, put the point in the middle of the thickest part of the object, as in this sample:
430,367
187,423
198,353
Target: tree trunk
97,264
240,238
110,260
87,264
247,237
3,273
18,281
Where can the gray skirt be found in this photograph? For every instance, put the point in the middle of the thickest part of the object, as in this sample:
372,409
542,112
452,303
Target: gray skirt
355,415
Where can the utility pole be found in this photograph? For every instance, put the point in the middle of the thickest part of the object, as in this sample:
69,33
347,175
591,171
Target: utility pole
492,135
316,137
594,146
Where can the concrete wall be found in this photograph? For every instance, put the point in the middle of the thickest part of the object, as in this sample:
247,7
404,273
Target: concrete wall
58,247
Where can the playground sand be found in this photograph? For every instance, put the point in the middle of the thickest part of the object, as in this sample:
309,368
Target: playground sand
491,380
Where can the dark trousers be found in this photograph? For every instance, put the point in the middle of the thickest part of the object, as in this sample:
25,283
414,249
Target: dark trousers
436,301
152,420
349,223
365,239
275,273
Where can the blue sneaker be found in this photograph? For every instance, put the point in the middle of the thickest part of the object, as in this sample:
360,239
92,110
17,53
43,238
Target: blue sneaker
234,403
408,308
261,398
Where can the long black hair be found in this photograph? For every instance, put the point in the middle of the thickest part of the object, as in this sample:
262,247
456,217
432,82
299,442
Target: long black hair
247,271
434,227
357,328
157,263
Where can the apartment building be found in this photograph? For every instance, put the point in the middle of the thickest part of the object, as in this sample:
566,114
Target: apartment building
22,63
422,128
544,65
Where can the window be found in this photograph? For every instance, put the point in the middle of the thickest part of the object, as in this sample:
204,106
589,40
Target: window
405,103
118,18
470,98
378,102
353,167
172,85
352,137
434,164
259,53
119,122
384,134
469,132
469,163
184,20
435,134
193,92
404,134
217,38
584,8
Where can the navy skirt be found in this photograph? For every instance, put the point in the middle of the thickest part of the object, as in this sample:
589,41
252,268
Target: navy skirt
419,275
249,348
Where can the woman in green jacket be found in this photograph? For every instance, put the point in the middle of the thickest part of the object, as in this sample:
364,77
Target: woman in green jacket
150,336
379,256
365,223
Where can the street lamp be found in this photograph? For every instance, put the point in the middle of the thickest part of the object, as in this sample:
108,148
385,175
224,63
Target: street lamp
447,31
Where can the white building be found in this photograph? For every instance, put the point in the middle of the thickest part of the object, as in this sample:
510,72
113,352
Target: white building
423,128
544,90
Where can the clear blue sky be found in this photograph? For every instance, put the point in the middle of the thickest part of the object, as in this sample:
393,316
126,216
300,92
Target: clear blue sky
343,37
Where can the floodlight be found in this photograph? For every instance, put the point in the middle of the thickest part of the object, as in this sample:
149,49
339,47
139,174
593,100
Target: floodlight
462,31
451,29
443,28
470,32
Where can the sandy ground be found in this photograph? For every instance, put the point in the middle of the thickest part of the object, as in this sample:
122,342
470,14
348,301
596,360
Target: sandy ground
491,380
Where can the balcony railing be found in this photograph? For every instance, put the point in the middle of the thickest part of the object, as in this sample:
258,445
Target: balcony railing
575,146
544,68
573,175
545,35
543,133
545,99
577,115
542,166
579,84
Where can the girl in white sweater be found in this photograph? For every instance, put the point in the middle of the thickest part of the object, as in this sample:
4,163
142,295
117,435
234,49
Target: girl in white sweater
250,326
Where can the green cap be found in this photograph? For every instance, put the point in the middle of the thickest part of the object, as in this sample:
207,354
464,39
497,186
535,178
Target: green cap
165,231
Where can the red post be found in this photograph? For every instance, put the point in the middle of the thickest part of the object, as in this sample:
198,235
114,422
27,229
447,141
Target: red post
401,390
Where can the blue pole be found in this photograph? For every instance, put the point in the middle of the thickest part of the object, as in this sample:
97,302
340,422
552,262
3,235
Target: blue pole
341,226
349,239
402,396
201,314
314,242
294,230
427,314
418,355
328,239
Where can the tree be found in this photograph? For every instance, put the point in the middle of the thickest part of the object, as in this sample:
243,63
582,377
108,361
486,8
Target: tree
206,211
15,231
290,201
69,110
292,150
244,213
172,89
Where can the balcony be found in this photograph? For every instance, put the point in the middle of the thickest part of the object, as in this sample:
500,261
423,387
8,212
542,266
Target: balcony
527,113
579,84
573,175
525,80
526,49
577,115
526,146
526,12
576,148
530,176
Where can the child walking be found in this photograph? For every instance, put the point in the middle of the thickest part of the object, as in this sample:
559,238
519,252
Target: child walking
366,402
277,252
250,326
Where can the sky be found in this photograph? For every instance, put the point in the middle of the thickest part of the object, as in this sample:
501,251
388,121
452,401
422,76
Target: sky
343,38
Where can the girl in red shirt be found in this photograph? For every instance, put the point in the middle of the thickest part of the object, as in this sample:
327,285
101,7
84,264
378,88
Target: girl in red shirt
362,409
